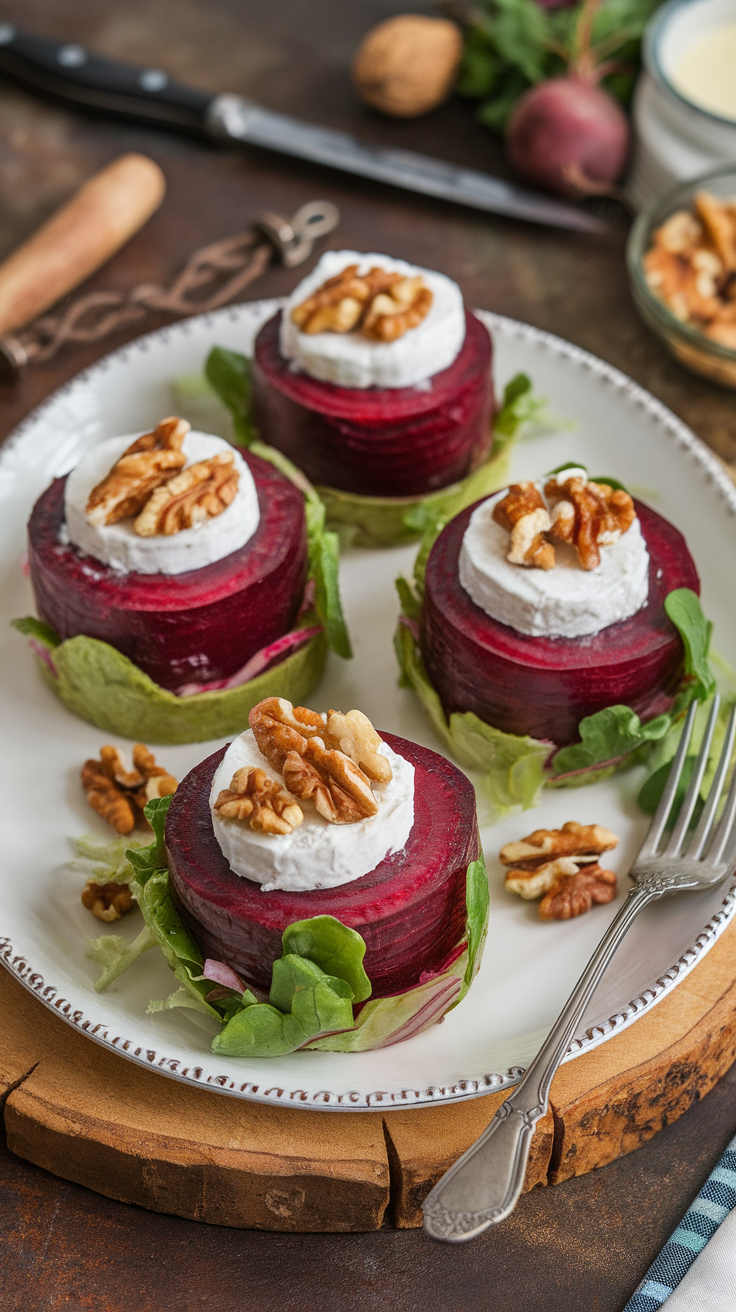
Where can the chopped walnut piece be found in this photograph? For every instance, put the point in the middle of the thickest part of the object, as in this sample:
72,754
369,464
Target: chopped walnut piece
588,516
383,304
261,801
143,466
119,795
296,742
573,895
523,513
561,866
108,901
202,491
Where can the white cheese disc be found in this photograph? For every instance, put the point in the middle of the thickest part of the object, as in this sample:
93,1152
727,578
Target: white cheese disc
565,602
317,854
354,360
119,546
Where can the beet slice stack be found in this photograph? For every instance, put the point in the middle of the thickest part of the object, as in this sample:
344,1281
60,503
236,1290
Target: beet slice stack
196,627
545,686
382,442
410,909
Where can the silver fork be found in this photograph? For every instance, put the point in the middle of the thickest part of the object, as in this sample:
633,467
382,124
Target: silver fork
484,1185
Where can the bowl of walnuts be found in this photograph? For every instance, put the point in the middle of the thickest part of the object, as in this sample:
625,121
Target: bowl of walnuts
682,265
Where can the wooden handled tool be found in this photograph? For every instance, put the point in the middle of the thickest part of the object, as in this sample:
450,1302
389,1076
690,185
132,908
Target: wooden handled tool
85,232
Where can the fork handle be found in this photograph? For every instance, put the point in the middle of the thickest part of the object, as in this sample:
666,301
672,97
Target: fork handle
484,1185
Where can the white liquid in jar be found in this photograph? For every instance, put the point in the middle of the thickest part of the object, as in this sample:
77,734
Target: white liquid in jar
706,74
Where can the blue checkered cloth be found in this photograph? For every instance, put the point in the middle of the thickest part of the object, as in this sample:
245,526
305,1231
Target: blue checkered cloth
714,1202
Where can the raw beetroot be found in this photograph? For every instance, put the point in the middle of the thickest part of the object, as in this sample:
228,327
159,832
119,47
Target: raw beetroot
411,910
569,135
544,686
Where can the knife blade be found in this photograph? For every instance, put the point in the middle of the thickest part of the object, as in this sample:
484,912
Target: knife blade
71,72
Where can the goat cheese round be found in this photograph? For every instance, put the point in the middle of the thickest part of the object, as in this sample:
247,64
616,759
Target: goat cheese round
354,360
120,547
317,854
565,602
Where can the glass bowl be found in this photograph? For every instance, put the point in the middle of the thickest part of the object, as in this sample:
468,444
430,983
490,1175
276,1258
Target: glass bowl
687,343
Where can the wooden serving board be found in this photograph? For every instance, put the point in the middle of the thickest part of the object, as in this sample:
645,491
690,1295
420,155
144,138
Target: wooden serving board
90,1116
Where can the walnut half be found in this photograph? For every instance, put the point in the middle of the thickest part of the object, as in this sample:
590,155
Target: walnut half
523,513
143,466
119,795
382,304
330,760
259,800
560,866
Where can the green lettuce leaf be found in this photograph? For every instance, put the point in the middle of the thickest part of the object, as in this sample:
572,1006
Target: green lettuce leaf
334,947
229,375
304,1002
115,955
42,633
99,684
511,769
684,609
146,861
104,859
391,1020
477,901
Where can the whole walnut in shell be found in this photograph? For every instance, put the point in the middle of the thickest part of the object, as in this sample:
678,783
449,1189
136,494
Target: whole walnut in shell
407,65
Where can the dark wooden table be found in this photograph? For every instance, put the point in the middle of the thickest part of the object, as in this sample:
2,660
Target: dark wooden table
584,1245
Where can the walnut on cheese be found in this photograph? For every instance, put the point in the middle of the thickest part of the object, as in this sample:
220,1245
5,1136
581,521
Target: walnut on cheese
381,304
560,866
149,481
329,760
584,514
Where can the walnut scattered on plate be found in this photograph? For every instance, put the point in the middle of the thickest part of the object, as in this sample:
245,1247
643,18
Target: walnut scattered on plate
561,866
119,795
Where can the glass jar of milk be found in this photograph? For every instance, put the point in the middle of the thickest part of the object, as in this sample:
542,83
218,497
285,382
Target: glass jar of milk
685,102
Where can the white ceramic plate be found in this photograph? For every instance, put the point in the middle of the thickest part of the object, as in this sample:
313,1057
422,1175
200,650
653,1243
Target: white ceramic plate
529,967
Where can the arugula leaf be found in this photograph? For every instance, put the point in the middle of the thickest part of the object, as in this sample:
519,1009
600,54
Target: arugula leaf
33,628
606,737
684,609
659,759
230,376
334,947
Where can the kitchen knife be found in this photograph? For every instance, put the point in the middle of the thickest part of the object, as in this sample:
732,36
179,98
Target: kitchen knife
73,73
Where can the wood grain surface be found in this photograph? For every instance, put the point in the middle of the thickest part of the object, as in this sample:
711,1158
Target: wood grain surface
87,1114
584,1244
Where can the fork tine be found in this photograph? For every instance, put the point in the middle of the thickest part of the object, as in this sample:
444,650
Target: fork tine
701,835
724,832
656,828
688,806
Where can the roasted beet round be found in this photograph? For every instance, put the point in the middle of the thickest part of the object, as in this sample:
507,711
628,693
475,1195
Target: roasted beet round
410,910
383,442
545,686
184,628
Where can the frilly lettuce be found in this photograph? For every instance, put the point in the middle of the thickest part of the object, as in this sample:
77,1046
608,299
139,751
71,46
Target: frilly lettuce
315,982
99,684
511,770
383,521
